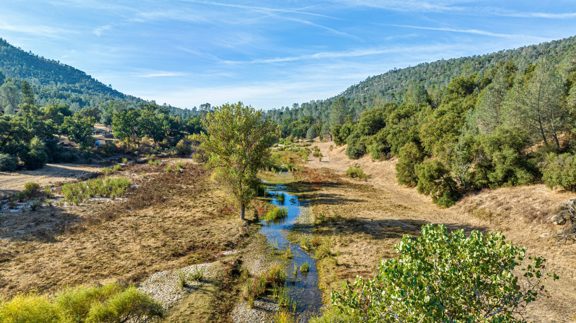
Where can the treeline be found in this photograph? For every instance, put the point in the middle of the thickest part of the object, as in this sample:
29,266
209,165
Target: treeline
32,135
507,124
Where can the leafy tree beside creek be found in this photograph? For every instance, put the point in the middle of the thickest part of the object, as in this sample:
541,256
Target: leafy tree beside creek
476,278
237,142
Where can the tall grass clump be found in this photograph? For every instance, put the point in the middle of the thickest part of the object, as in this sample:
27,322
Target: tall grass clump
276,214
109,187
356,172
107,303
269,281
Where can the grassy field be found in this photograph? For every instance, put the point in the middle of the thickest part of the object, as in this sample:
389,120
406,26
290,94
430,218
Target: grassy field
168,220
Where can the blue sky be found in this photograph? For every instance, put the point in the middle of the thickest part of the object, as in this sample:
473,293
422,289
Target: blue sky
268,53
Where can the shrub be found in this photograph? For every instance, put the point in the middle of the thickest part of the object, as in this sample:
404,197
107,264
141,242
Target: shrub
8,163
276,214
29,308
475,278
356,172
109,187
434,179
378,148
304,268
76,303
36,156
32,190
184,147
258,286
356,146
410,155
128,305
560,171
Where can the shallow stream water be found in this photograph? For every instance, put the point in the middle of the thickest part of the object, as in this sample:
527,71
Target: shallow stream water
302,288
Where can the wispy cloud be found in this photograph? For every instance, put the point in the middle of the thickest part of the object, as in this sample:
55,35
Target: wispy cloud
345,54
161,74
473,31
35,30
261,9
100,30
542,15
405,5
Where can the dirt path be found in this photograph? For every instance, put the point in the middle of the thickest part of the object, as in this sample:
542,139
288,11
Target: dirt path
48,175
370,217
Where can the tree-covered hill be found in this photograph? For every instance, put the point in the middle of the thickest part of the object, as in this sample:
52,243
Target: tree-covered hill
434,77
461,125
54,81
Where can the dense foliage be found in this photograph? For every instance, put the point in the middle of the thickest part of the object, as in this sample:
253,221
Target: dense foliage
32,135
475,278
237,142
460,125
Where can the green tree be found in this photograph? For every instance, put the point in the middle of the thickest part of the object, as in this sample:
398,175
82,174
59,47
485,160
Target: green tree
36,157
80,129
539,105
237,142
460,278
9,97
338,112
560,171
434,179
410,156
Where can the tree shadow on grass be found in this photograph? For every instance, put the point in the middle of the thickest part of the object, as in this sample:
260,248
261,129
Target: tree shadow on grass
42,225
378,229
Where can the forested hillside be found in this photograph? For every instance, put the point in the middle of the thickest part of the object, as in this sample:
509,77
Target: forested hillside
55,83
460,125
434,77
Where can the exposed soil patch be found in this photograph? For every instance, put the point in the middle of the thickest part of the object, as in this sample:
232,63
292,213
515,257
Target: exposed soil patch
50,174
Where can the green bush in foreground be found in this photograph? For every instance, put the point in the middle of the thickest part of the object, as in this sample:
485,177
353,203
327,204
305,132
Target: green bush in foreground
444,276
108,303
356,172
109,187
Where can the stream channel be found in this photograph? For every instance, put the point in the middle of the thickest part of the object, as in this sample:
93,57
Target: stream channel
302,288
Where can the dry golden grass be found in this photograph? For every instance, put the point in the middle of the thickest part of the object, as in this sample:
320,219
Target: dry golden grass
171,220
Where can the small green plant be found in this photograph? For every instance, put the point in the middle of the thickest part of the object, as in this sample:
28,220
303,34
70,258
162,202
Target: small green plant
295,271
322,251
182,282
280,198
31,190
356,172
276,214
287,254
284,316
304,268
197,274
255,287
